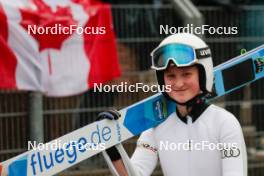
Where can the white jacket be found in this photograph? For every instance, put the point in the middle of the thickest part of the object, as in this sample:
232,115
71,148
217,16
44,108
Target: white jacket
192,145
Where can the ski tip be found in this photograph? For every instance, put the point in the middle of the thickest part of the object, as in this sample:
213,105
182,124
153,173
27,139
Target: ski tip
18,167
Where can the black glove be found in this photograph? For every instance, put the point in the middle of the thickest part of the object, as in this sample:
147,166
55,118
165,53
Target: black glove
111,115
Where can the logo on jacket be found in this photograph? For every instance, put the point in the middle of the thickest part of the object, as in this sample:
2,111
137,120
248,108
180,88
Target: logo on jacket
230,153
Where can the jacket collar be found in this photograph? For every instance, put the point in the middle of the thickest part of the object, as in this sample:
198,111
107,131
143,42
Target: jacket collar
195,113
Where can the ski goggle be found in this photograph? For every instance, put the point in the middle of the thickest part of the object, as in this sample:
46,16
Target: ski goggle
182,55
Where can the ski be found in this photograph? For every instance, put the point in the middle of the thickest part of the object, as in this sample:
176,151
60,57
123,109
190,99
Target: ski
238,72
90,140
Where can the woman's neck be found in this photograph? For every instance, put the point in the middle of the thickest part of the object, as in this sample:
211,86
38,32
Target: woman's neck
183,110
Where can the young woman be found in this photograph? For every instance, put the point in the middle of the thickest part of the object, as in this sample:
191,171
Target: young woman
199,139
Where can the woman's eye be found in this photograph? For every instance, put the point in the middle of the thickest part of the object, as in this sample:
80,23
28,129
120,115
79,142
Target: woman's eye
170,75
187,74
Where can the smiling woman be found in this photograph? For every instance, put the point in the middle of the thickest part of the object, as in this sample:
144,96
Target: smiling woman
183,81
193,59
184,61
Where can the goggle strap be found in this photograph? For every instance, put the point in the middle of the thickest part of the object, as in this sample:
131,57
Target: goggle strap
203,53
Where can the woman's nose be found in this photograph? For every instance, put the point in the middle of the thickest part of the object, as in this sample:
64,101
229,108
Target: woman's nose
178,83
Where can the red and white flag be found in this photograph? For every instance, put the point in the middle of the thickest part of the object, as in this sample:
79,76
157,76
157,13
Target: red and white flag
58,47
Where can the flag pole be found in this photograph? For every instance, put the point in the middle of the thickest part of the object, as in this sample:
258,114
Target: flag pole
36,117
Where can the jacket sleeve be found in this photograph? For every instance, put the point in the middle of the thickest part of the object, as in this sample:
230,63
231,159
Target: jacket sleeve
234,155
145,156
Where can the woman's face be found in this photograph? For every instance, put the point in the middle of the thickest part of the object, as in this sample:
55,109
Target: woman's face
184,82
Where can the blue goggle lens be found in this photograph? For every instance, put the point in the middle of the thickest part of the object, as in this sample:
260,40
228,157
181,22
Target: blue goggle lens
180,54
